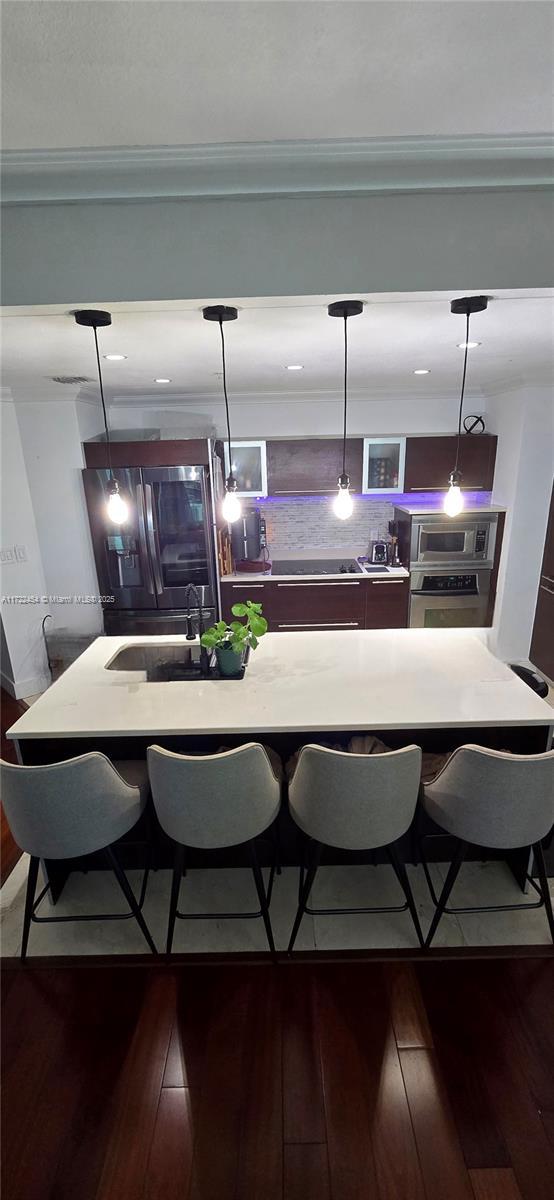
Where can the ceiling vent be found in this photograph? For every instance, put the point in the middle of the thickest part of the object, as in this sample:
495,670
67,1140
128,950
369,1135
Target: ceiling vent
72,379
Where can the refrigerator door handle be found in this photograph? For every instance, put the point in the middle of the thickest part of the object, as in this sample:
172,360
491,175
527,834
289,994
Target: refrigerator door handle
151,534
145,557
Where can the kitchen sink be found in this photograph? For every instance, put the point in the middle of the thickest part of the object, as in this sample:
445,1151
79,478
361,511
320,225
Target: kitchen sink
171,660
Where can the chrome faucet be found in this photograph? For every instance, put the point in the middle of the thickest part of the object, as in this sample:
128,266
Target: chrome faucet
192,590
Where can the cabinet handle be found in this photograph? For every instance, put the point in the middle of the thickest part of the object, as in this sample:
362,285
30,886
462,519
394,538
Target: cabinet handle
548,578
302,491
315,583
378,582
250,586
321,625
434,487
545,589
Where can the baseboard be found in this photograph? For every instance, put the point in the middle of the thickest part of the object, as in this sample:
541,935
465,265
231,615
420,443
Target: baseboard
19,688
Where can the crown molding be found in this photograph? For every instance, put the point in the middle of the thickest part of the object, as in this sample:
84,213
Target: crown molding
242,169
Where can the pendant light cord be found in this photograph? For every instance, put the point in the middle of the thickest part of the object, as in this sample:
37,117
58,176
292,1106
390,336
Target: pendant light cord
226,397
108,445
462,394
345,395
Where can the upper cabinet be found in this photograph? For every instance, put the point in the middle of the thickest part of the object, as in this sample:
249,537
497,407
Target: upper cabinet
429,461
249,467
312,467
383,465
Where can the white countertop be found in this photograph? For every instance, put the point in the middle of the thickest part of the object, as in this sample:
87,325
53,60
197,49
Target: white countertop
324,681
246,577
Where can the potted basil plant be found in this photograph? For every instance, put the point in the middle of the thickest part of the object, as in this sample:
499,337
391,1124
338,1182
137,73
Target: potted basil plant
231,642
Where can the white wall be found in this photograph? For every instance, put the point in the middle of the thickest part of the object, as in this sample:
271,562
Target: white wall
300,415
102,251
24,646
524,423
51,435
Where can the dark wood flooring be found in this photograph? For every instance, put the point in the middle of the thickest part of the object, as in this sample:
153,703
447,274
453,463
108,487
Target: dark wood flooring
10,711
352,1081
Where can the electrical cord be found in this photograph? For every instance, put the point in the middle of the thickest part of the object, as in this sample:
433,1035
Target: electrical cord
462,394
231,477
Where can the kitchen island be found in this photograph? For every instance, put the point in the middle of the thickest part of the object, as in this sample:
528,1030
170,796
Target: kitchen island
437,688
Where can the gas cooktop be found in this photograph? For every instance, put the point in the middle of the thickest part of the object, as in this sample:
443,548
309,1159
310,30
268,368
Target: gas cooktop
316,566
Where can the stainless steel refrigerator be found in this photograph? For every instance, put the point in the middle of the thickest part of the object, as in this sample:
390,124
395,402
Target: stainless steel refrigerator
147,565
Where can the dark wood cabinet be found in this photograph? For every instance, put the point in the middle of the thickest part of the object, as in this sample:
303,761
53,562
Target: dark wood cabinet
542,642
387,603
238,593
429,461
293,605
331,604
297,467
159,452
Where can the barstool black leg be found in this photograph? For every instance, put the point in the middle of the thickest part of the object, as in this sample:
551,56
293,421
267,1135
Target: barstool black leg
447,888
128,893
32,877
178,865
314,858
262,896
403,879
541,868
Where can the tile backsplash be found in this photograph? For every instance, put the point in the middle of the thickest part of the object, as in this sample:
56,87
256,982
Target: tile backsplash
308,524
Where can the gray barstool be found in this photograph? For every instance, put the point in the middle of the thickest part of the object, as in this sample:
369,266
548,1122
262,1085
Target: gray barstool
496,800
354,802
72,809
210,802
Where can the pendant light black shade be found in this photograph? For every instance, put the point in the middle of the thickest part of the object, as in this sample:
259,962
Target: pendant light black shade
344,309
98,318
221,313
464,306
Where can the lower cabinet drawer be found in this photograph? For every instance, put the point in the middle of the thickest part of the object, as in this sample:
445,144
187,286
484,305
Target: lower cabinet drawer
332,605
239,593
387,603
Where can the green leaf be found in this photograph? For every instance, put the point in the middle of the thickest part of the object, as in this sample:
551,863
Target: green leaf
239,610
253,641
258,626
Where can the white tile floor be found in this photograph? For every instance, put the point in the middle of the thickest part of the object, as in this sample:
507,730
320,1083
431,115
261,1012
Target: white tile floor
347,886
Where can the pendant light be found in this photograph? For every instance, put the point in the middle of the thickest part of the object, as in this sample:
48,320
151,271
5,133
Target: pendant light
117,508
231,509
343,504
454,501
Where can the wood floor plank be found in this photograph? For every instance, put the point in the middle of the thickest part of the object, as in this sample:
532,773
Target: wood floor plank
497,1183
485,1022
306,1172
481,1140
169,1166
440,1153
217,1134
350,1149
260,1163
303,1107
409,1017
138,1093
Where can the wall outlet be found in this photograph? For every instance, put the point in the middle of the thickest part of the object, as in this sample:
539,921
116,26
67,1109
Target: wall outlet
7,556
20,553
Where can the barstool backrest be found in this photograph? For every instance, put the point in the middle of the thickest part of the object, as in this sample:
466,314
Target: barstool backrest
67,809
355,801
496,799
214,800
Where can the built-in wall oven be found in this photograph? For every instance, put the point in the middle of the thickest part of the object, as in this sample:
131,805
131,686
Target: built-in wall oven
451,561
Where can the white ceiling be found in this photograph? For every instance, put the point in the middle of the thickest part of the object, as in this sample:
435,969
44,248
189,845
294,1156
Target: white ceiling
143,72
395,334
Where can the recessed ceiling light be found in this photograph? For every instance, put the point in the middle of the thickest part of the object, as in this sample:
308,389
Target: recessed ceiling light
422,371
115,357
295,367
162,381
468,345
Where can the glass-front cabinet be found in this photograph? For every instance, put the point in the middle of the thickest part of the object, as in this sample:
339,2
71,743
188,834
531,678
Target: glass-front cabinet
249,467
383,465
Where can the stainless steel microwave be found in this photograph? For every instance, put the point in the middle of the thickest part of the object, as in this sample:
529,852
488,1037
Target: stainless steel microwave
437,540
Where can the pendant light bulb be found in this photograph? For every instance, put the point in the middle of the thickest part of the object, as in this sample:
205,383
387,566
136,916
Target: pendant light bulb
454,500
117,508
231,509
343,504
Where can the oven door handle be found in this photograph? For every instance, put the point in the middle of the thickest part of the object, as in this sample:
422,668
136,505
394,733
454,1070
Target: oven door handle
445,595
